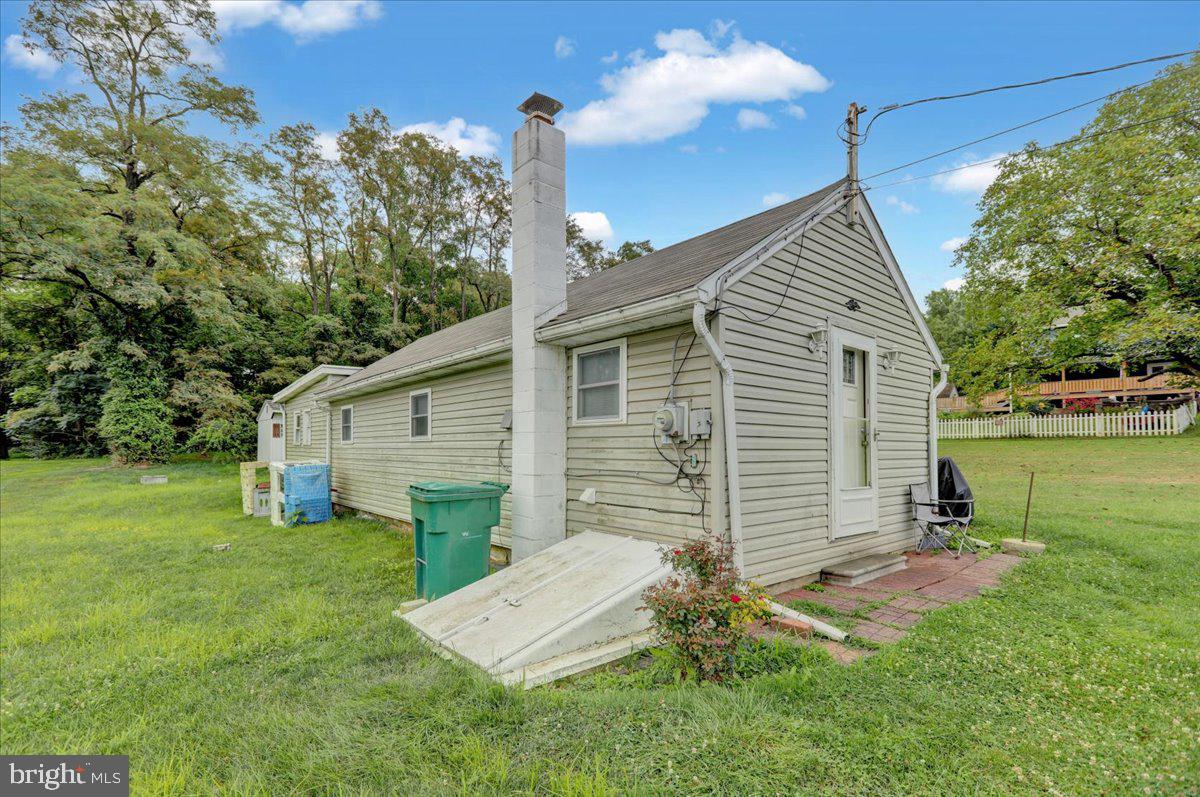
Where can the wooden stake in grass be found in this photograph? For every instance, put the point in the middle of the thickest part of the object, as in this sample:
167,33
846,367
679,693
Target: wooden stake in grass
1028,501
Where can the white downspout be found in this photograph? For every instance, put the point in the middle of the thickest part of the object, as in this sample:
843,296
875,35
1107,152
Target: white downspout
729,420
933,431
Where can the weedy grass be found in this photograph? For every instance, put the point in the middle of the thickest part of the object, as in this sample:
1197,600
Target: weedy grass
276,667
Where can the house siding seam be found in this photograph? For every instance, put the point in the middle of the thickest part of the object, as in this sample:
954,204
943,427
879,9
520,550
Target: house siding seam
782,402
625,504
373,473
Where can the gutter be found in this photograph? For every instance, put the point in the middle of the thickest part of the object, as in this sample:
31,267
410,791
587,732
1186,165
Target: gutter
422,368
933,431
729,420
651,308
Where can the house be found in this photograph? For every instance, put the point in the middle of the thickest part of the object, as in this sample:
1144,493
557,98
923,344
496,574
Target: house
1092,376
297,400
771,380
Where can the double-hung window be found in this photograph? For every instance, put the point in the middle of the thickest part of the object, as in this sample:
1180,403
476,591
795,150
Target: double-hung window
599,381
347,424
306,426
420,414
297,437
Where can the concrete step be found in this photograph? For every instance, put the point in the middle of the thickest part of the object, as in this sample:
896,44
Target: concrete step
853,572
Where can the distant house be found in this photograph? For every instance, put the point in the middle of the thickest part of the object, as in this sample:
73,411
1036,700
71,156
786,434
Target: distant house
770,380
1090,377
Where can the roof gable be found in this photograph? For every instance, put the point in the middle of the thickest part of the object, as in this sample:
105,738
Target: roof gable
669,270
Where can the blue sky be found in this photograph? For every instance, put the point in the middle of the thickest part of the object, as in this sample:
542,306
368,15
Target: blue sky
683,117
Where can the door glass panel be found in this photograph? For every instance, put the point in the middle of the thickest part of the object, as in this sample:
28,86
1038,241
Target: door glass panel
856,432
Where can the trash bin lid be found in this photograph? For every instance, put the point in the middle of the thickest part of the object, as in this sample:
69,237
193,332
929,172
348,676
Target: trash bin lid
456,491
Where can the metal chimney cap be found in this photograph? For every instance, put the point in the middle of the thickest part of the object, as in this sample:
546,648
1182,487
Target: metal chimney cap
541,106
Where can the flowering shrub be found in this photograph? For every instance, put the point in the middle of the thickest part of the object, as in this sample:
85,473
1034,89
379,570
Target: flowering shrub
703,611
1082,404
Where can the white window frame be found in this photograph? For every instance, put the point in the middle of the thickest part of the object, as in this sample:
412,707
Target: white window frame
296,438
622,383
428,393
341,425
306,426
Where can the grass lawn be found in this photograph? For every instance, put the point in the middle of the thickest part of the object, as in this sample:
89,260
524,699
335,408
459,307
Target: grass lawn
276,667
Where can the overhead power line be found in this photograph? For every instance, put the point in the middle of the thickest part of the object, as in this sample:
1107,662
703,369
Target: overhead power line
1028,124
897,106
1074,140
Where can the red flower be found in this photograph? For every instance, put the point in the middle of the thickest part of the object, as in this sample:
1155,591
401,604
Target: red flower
677,552
735,598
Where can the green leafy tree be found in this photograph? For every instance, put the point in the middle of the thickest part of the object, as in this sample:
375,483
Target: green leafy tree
946,316
109,197
1103,231
586,257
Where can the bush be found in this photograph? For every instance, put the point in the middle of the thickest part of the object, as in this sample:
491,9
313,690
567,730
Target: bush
134,421
702,613
225,440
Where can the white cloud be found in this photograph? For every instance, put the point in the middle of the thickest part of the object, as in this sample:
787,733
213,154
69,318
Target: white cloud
595,225
906,208
684,40
795,111
719,27
564,47
654,99
774,198
750,119
327,143
37,61
467,139
954,284
952,244
611,58
689,149
972,177
305,21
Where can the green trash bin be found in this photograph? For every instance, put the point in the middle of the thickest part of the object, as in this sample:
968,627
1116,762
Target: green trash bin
452,533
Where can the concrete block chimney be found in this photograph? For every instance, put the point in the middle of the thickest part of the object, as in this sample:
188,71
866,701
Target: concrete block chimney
539,290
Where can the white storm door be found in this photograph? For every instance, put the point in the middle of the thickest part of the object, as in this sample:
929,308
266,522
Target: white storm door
853,467
278,437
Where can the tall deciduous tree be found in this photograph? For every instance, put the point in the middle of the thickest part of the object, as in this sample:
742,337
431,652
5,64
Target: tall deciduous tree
109,196
1104,230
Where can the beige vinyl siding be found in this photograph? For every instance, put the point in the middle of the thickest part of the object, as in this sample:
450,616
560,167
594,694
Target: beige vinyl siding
299,404
625,504
782,401
374,471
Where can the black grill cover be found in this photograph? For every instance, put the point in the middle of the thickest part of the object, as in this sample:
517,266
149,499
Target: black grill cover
952,486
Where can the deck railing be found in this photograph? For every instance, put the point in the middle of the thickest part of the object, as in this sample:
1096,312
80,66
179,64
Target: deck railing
1067,388
1111,424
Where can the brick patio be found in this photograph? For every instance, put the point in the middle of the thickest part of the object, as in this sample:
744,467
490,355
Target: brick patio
889,605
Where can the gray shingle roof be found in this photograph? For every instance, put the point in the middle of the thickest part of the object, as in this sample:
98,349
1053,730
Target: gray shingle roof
666,271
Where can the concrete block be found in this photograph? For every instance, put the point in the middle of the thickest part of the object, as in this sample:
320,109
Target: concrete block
153,480
864,568
1013,545
789,626
224,546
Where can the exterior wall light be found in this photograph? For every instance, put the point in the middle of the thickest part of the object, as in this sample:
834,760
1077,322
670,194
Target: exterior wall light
889,359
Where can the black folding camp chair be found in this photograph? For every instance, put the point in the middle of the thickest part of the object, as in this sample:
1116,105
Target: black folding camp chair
945,524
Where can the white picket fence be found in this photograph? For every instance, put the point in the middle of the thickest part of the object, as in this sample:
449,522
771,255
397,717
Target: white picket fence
1125,424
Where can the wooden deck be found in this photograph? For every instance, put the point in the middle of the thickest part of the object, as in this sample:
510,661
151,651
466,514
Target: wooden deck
1107,387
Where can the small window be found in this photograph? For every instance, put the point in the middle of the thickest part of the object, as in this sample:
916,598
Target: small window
306,424
600,383
296,433
347,424
420,410
277,430
849,366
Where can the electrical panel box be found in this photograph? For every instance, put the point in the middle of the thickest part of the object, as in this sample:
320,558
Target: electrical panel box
671,422
700,424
